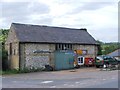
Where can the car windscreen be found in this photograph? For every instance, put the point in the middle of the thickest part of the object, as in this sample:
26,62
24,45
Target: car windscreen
109,58
99,58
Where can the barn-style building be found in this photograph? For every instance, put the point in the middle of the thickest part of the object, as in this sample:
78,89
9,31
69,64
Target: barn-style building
36,46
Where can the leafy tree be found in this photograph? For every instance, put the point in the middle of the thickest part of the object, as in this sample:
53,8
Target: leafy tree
110,47
106,48
3,52
3,35
99,47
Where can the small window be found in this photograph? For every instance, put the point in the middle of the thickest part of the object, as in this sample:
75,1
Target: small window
59,46
81,60
63,47
14,51
10,48
70,46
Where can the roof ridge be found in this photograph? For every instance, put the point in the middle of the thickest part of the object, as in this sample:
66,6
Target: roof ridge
50,26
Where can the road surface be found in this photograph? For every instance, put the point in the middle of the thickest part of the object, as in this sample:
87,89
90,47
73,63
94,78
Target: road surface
79,78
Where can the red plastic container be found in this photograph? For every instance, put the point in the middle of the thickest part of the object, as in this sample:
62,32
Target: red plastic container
89,62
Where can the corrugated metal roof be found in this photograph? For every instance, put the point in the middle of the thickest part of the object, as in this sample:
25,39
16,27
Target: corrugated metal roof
115,53
49,34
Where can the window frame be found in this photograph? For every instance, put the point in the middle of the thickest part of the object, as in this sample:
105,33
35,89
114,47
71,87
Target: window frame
63,46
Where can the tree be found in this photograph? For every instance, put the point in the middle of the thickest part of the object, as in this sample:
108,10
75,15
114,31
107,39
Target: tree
99,47
3,35
3,52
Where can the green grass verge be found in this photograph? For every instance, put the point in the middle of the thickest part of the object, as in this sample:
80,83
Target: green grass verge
16,71
9,72
0,72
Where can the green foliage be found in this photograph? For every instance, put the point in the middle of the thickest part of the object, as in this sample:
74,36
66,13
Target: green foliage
106,48
109,47
3,35
4,60
99,47
14,71
27,70
99,50
3,52
99,42
18,71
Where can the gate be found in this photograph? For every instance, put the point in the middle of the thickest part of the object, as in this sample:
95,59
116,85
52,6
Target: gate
64,59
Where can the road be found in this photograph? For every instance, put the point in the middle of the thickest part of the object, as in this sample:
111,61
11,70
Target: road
79,78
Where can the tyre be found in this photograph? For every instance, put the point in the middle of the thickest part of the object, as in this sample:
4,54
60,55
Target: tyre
97,66
48,68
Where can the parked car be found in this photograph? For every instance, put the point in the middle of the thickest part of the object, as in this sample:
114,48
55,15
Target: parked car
99,61
118,63
107,60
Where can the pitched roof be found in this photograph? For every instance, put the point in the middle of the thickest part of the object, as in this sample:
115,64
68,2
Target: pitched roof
49,34
115,53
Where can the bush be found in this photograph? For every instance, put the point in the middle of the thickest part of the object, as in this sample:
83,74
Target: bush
4,60
27,70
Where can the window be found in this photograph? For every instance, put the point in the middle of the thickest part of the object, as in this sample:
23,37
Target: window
10,48
80,59
14,51
63,46
99,58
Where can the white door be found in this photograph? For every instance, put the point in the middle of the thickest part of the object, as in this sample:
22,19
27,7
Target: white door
80,60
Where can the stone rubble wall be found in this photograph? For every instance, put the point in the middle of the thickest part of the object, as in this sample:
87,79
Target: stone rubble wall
36,60
91,49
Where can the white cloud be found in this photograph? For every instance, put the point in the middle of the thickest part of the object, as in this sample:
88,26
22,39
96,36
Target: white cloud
99,17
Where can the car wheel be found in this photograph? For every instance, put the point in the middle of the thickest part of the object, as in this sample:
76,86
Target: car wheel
97,66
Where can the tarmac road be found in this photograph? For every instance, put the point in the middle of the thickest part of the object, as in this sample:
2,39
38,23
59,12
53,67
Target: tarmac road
80,78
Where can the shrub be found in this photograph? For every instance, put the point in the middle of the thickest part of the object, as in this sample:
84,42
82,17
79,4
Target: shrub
4,60
18,71
27,70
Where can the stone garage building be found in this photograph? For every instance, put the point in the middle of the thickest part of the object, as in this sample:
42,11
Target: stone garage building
34,45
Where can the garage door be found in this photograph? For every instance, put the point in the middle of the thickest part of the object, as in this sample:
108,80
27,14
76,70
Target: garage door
64,60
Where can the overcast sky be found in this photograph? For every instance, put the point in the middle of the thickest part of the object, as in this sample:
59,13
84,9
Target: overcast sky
100,17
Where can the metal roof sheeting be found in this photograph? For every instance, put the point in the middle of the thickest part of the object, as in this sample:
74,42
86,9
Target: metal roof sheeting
115,53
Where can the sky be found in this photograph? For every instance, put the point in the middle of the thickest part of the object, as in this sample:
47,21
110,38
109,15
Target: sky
100,17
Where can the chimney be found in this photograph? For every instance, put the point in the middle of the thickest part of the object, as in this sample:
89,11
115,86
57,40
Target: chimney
83,29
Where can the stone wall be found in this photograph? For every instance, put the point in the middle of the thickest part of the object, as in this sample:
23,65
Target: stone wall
91,49
36,60
11,36
30,59
13,58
